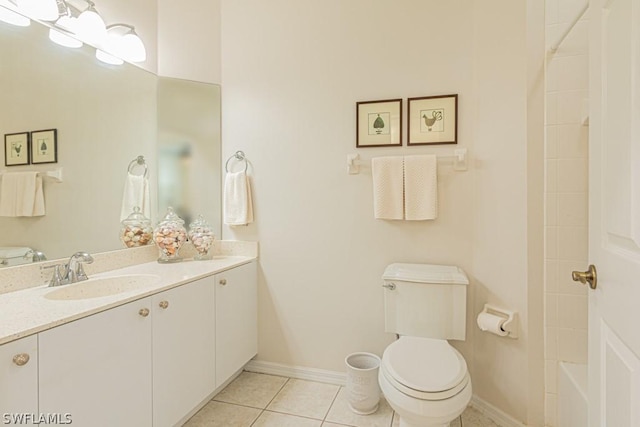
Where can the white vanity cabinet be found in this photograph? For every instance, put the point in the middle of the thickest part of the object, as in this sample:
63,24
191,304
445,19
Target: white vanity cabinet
18,378
236,319
183,350
98,368
150,362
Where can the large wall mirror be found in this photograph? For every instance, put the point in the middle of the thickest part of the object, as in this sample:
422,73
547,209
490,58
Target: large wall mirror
105,117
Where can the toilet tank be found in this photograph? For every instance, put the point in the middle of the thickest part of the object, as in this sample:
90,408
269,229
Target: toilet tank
425,300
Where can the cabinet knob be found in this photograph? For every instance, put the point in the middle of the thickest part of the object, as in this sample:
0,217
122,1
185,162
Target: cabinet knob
223,282
21,359
144,312
164,304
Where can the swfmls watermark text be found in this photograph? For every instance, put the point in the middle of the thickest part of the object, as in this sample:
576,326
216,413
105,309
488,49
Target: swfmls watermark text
26,418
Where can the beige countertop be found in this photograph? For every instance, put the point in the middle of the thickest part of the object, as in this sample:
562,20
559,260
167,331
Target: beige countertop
28,311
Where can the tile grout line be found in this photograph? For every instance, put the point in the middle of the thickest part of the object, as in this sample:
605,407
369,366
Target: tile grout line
331,406
269,403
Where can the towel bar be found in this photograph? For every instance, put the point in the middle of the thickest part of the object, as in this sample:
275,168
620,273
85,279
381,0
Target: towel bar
53,176
138,161
239,156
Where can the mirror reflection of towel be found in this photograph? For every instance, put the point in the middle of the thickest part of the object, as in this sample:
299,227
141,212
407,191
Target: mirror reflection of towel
238,207
21,194
136,193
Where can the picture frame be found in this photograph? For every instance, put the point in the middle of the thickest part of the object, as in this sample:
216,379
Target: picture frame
16,149
44,146
379,123
433,120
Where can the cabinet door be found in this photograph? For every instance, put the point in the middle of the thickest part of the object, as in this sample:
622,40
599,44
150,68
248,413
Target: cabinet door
183,350
18,379
98,368
236,320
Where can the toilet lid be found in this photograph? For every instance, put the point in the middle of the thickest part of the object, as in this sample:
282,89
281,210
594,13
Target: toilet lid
424,364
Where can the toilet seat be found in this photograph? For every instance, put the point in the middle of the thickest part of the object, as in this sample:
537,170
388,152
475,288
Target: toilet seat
424,368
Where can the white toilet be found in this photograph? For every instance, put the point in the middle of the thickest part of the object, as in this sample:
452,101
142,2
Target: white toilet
425,379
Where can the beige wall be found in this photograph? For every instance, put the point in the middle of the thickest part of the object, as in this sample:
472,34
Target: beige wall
189,40
566,218
291,74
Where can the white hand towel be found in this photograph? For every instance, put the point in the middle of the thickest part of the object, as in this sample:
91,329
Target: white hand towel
238,206
420,187
387,187
21,194
136,193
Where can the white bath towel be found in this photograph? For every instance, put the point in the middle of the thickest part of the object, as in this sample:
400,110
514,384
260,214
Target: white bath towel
238,206
21,194
136,193
387,187
420,187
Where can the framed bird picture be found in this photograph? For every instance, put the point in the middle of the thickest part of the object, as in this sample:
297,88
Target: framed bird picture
379,123
433,120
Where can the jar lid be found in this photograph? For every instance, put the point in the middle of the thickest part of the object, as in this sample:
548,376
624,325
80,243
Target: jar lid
171,216
200,222
136,217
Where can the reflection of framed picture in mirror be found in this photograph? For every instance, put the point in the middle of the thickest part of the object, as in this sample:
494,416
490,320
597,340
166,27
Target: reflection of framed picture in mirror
379,123
16,149
433,120
44,146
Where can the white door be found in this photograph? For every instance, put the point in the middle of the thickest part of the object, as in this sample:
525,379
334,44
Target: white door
614,213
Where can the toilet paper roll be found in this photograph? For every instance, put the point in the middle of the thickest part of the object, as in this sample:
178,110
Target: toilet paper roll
492,323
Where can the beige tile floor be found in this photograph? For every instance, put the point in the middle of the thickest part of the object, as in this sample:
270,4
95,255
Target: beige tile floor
259,400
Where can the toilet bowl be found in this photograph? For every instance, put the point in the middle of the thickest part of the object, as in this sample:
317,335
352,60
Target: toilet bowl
425,381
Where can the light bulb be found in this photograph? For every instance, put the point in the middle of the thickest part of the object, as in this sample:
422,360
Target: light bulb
132,48
90,26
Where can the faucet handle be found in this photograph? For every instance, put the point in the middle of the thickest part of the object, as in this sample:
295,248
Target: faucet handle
80,274
56,279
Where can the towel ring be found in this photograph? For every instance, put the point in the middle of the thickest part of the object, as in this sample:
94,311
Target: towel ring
239,156
138,161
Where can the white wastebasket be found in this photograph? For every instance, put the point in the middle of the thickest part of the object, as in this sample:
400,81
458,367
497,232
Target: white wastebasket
363,391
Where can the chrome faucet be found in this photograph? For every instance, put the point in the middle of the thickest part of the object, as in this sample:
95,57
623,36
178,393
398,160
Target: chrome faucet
73,270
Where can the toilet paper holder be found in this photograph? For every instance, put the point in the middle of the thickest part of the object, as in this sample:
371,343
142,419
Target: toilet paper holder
510,325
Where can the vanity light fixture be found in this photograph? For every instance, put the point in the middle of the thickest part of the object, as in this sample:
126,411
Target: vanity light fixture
107,58
46,10
63,29
123,42
9,15
90,26
63,39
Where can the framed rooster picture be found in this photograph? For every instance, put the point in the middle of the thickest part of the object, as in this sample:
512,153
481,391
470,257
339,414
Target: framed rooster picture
433,120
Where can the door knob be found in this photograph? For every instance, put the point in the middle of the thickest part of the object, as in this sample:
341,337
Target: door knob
590,276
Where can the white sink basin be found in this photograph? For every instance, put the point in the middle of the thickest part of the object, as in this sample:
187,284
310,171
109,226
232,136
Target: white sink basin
102,287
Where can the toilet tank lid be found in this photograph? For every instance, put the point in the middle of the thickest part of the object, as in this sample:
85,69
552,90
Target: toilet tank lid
426,273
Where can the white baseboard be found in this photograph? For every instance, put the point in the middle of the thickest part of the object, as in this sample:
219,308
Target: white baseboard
299,372
339,378
498,416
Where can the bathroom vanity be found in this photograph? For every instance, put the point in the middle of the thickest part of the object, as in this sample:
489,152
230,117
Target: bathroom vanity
148,356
